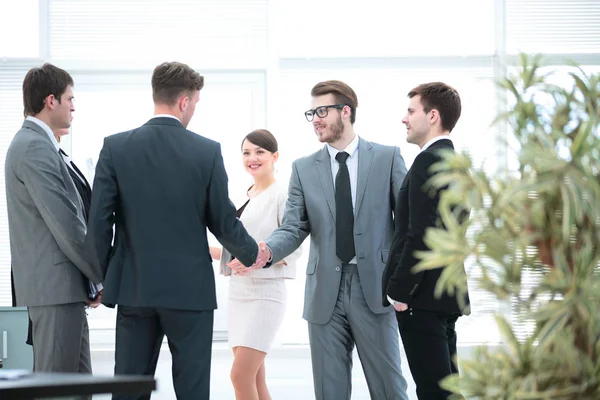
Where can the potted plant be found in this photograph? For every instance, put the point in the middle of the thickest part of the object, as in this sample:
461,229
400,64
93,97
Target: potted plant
541,219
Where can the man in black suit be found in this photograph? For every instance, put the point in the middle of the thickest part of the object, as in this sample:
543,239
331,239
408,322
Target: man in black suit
426,323
162,186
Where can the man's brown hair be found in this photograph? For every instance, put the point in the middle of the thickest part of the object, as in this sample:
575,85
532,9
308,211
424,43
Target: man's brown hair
41,82
439,96
342,93
171,79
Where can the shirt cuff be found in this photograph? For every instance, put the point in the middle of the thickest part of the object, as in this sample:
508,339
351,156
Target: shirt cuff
99,286
392,301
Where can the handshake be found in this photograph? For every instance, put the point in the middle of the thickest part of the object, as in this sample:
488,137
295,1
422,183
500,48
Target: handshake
263,257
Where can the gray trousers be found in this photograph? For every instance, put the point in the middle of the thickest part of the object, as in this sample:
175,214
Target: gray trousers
376,339
61,338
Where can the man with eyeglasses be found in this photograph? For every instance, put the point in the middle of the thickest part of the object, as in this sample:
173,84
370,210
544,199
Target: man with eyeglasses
343,196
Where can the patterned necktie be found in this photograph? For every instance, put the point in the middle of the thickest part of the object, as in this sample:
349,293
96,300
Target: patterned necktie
344,220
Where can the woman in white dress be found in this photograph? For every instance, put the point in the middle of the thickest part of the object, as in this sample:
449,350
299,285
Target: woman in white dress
256,300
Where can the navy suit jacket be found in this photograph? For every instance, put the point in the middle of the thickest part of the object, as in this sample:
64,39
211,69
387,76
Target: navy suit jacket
162,186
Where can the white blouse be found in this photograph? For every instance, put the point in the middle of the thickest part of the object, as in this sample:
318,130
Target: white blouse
262,215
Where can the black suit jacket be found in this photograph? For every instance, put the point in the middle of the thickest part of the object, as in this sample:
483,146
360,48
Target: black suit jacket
82,185
162,186
416,210
85,193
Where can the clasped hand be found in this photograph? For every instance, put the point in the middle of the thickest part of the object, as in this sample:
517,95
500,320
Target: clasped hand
264,255
95,303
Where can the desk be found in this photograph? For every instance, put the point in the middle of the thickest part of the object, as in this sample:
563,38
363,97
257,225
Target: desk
71,386
15,354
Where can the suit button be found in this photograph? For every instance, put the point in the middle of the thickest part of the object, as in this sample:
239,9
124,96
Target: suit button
337,269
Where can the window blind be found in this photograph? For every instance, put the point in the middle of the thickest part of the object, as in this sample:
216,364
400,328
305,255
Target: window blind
553,26
136,33
11,119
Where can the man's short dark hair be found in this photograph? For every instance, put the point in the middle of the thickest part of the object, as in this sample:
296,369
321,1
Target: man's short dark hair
342,93
439,96
171,79
41,82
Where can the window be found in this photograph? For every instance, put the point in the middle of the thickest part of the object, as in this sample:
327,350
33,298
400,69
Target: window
131,34
384,28
11,119
260,59
553,26
20,29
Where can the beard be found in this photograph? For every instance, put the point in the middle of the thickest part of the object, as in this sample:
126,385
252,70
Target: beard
336,130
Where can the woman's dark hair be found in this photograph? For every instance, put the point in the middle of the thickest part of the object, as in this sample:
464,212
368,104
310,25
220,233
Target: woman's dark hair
262,138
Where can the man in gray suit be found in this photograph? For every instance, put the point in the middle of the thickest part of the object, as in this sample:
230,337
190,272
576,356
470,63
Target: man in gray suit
344,196
47,228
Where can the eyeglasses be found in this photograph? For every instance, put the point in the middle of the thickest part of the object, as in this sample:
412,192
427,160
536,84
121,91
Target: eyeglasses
321,112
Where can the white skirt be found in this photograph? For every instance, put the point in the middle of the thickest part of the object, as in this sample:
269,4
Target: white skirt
255,311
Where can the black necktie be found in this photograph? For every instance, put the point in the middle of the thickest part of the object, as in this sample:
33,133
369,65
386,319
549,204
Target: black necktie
344,220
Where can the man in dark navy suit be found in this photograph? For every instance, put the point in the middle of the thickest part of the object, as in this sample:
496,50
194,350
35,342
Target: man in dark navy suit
426,322
162,186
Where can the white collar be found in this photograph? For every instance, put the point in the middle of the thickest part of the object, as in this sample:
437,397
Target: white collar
166,116
350,149
435,139
46,129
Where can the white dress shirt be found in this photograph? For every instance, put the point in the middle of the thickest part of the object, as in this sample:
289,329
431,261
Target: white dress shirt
165,116
352,163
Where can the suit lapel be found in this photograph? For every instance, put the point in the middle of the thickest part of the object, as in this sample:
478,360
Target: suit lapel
365,160
326,178
81,175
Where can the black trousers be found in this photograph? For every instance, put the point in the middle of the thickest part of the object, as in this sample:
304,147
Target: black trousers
429,341
140,333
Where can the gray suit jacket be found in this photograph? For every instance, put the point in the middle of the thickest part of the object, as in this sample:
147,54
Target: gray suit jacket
46,223
310,209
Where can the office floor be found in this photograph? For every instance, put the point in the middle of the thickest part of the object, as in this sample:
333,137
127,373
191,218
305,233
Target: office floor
289,374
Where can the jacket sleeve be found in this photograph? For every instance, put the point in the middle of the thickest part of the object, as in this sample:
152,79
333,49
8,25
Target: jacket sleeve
294,225
281,202
222,220
398,175
99,239
41,174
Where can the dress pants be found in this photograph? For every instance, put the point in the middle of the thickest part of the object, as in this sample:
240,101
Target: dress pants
140,332
61,338
376,339
429,341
